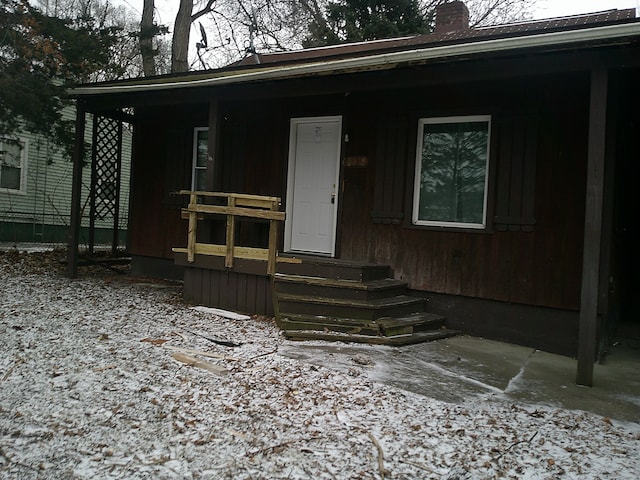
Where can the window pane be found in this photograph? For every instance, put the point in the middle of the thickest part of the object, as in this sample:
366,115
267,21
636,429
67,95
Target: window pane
10,178
202,147
10,154
200,158
453,172
201,180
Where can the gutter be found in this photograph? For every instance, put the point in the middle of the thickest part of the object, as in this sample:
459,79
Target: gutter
382,61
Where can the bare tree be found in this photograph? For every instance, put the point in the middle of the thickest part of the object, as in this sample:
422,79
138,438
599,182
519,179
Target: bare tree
147,34
231,29
287,24
181,29
496,12
180,44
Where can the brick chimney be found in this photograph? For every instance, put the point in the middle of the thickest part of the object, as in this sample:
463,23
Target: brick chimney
451,16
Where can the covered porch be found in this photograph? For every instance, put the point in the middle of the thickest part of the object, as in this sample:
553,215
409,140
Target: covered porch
559,116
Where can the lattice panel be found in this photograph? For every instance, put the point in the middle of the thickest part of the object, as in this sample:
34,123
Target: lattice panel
106,161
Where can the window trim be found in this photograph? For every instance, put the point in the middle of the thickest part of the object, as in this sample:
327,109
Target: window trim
194,157
24,155
435,120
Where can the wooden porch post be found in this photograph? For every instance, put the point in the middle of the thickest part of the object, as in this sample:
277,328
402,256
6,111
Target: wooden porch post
273,240
193,225
116,212
592,226
231,234
214,182
76,190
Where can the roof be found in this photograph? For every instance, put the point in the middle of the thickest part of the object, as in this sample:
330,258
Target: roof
564,32
519,29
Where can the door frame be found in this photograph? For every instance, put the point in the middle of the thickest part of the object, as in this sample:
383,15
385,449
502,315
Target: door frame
293,124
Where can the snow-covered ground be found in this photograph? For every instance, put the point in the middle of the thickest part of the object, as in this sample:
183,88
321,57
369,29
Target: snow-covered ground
90,388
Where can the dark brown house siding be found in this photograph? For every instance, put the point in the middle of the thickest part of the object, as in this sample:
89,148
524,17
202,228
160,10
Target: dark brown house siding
161,167
537,174
531,263
531,252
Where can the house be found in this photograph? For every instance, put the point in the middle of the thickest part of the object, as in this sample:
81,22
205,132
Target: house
491,170
35,190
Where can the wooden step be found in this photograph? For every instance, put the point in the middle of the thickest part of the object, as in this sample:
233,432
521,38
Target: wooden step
330,299
396,306
332,268
397,340
328,324
415,323
337,288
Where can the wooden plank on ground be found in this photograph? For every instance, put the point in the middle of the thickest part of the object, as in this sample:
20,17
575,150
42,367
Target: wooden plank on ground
194,362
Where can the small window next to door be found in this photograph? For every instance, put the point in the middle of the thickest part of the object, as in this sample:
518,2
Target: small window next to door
200,156
451,176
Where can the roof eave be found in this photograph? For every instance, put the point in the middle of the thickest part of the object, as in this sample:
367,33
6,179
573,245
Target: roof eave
384,60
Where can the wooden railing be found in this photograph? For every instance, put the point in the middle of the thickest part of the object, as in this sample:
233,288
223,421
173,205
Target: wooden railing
237,205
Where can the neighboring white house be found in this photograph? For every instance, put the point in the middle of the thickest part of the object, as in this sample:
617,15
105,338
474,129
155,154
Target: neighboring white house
35,190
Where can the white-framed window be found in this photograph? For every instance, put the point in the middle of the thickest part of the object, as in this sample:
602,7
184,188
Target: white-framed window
200,157
13,164
452,171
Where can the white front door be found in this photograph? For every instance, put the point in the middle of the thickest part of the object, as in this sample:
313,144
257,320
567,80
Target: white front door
312,185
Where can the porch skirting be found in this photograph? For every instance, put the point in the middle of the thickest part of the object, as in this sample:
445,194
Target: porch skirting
245,289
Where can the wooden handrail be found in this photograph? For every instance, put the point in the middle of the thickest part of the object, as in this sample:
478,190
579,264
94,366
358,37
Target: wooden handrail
243,196
238,205
237,211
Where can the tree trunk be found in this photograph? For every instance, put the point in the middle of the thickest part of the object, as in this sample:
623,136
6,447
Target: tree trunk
180,44
147,32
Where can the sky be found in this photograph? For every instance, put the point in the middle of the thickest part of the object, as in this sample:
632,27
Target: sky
544,9
559,8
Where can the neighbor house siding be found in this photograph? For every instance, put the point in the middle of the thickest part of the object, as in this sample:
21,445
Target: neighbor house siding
42,211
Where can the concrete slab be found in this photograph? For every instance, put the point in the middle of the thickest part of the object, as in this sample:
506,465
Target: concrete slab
469,369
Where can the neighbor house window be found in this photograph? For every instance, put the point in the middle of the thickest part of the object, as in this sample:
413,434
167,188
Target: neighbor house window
12,165
452,163
200,157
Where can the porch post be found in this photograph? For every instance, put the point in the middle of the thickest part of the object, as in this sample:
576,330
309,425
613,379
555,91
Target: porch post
592,226
213,230
214,182
76,190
